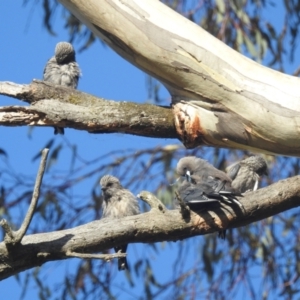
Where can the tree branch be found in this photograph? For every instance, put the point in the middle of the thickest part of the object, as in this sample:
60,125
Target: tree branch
37,249
152,201
64,107
14,237
220,97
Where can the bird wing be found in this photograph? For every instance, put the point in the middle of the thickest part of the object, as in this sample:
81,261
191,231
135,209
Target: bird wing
233,170
52,72
196,194
256,185
197,201
220,184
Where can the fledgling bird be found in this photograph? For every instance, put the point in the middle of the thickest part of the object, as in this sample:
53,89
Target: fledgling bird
206,174
118,202
62,69
246,173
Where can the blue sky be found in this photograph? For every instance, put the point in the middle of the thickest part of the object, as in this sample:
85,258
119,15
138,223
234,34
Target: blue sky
25,48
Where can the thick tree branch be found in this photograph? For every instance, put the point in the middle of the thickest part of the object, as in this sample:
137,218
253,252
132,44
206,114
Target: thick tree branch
37,249
13,237
64,107
220,97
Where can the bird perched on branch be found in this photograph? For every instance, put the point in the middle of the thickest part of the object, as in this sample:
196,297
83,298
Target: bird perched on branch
118,202
246,173
205,181
205,173
62,69
197,193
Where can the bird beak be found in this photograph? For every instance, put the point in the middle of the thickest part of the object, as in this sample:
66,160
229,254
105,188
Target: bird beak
188,176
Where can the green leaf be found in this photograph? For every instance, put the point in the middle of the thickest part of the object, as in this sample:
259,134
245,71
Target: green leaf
250,46
221,6
239,39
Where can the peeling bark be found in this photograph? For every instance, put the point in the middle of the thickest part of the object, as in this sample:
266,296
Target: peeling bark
154,226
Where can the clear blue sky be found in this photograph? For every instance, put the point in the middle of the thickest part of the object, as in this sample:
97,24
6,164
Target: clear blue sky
25,48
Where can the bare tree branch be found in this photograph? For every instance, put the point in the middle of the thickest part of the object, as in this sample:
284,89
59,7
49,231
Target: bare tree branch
65,107
37,249
13,237
152,201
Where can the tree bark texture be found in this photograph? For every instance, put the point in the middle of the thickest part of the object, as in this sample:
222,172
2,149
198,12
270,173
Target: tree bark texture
65,107
156,225
220,98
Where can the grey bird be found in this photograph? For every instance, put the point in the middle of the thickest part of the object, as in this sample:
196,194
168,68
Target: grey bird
206,174
246,173
118,202
62,69
196,193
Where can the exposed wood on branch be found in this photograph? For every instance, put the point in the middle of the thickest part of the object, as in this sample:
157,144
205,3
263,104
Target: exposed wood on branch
37,249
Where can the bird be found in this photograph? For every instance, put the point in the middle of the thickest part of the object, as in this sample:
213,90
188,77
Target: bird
196,195
62,69
202,174
118,202
246,173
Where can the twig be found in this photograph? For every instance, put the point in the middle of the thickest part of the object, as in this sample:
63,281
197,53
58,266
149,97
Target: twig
9,234
15,237
151,200
106,257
